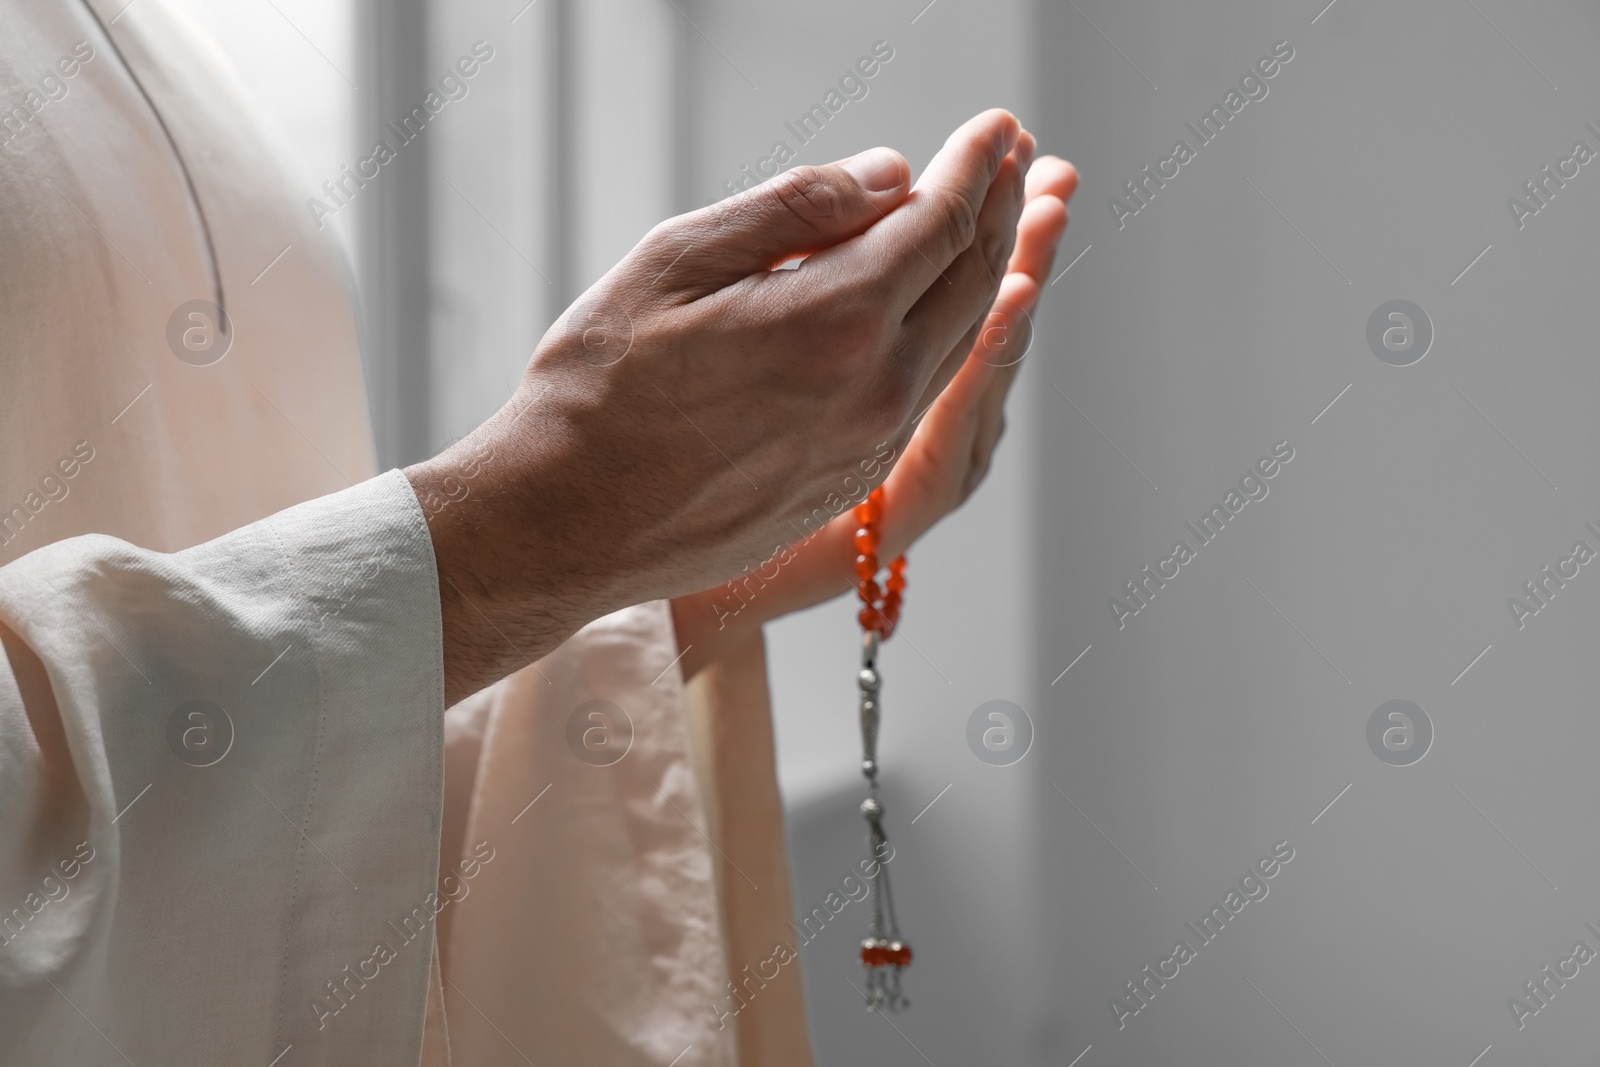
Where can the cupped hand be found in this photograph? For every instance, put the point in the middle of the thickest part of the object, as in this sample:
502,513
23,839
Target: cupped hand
679,417
950,451
947,456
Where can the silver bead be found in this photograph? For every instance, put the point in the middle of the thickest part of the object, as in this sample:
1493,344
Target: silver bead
867,680
871,808
869,768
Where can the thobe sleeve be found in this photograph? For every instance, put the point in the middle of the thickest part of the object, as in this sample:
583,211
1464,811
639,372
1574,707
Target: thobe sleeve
221,777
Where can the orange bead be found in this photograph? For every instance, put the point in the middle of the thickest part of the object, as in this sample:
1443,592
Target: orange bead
874,953
899,563
869,617
869,510
868,591
867,540
866,566
896,582
898,953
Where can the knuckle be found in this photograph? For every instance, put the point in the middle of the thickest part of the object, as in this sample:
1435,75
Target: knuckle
808,194
662,234
854,319
958,221
663,242
994,250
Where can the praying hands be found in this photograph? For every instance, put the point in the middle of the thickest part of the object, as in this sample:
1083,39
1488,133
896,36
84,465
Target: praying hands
675,424
334,698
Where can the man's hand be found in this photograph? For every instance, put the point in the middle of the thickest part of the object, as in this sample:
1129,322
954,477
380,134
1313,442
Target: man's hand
692,404
947,457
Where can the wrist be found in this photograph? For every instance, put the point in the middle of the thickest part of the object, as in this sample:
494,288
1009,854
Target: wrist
506,597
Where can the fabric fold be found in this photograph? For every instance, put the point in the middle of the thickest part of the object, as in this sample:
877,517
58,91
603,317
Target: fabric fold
254,726
595,935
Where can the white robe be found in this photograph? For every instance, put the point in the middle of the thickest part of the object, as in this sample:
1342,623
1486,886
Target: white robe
223,748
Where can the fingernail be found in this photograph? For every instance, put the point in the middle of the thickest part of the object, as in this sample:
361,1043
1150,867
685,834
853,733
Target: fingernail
876,171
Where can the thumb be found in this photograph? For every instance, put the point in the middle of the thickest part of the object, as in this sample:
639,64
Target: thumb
800,211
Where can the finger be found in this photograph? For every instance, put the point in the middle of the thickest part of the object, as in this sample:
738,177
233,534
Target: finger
1007,329
992,347
992,386
945,435
1025,149
969,413
991,424
797,213
1053,176
1039,230
909,250
948,312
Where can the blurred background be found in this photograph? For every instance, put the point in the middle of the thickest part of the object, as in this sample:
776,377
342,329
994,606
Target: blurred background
1175,725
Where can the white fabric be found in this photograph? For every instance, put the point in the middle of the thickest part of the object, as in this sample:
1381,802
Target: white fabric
221,900
618,958
172,913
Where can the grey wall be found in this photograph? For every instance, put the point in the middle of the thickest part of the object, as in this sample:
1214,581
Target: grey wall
1233,708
